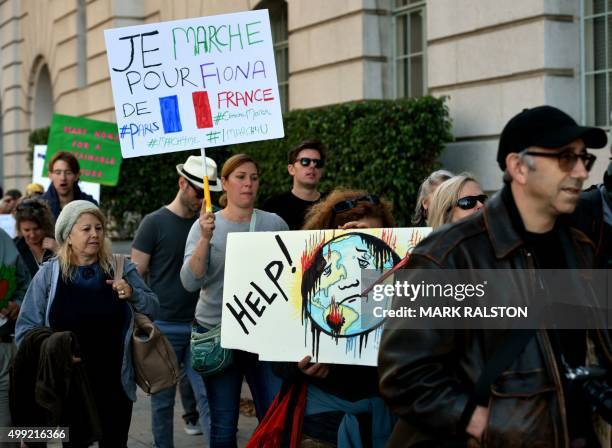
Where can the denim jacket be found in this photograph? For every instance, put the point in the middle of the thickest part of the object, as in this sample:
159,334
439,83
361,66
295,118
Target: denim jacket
41,293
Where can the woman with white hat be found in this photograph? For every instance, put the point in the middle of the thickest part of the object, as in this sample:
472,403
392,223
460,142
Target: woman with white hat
75,291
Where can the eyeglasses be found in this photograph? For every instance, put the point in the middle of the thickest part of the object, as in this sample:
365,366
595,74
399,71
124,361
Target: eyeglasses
198,191
568,159
306,161
469,202
349,204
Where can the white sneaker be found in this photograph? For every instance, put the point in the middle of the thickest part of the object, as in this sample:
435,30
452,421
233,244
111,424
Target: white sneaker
193,429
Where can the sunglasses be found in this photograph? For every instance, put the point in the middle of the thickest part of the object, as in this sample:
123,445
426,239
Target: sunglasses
469,202
349,204
306,161
198,191
568,159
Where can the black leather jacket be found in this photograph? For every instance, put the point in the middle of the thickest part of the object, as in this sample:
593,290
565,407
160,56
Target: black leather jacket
426,376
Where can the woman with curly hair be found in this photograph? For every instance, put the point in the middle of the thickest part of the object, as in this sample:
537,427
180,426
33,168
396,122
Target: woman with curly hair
348,209
342,404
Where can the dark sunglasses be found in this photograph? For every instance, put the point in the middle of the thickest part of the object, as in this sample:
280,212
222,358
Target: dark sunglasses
306,161
568,159
469,202
198,191
349,204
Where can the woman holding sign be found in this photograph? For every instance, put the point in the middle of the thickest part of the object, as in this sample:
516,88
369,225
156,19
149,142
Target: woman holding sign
203,268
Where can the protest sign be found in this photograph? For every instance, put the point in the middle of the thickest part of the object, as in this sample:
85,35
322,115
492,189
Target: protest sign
304,288
94,143
7,223
38,164
194,83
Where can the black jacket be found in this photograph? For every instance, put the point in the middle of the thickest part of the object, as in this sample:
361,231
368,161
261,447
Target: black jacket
28,257
48,389
53,199
427,376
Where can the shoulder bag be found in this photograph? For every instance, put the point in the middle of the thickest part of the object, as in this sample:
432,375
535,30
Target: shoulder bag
155,364
207,356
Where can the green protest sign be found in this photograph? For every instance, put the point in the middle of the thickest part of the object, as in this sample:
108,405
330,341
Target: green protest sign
94,143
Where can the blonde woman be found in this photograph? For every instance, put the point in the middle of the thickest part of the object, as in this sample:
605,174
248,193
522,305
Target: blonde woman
426,191
75,291
454,199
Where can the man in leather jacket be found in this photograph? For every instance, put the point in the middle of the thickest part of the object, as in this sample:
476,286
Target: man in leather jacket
427,377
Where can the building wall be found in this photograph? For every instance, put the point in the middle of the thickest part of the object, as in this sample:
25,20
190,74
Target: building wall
494,61
491,61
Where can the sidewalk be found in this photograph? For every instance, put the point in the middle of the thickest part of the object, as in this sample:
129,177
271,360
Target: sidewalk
140,431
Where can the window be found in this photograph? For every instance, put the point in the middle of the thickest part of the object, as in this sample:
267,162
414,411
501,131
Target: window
280,39
409,63
597,62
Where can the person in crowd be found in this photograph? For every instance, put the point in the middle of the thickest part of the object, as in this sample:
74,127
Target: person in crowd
14,278
34,190
435,380
345,389
426,191
454,199
10,201
347,209
64,172
35,240
305,166
76,292
203,269
593,215
158,249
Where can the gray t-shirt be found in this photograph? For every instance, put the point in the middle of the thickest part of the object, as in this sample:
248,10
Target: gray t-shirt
162,234
208,309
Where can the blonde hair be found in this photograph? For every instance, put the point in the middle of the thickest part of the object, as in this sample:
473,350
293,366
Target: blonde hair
230,166
105,254
445,198
432,181
321,216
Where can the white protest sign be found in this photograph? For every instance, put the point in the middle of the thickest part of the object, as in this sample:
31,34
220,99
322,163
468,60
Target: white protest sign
299,293
7,223
40,152
194,83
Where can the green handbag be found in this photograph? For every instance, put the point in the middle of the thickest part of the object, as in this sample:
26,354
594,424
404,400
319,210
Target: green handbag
207,356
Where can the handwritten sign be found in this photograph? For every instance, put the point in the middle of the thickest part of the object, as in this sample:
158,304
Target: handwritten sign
94,143
304,289
193,83
38,164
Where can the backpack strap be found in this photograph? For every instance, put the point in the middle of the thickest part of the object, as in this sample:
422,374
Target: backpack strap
511,347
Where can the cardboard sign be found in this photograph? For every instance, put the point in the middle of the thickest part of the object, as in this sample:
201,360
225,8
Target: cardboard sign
94,143
194,83
299,293
38,164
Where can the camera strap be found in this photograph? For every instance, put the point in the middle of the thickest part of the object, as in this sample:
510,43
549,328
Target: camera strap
511,347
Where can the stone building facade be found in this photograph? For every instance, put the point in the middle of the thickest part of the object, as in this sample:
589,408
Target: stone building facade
490,57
